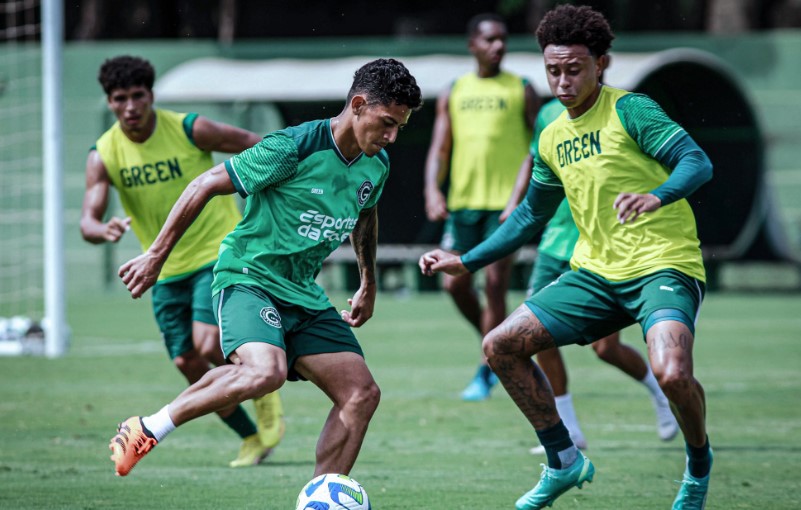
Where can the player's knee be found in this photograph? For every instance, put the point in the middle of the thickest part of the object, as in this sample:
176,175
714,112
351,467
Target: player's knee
190,362
604,352
260,382
364,399
674,380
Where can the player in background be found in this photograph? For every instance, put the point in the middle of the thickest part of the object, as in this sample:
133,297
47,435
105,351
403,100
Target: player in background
308,188
553,259
625,168
481,133
150,155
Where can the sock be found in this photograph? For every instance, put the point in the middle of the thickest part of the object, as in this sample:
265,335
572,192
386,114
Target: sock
698,460
159,424
564,406
559,449
649,381
240,422
484,372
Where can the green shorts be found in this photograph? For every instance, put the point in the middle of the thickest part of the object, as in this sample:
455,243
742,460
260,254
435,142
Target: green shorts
580,307
177,303
466,228
546,270
248,314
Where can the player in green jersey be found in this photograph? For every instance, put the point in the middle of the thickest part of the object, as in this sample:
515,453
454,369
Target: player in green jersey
481,134
625,169
149,156
308,188
553,259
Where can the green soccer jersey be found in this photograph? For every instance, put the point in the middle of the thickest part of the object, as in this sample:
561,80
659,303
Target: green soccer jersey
560,236
303,200
612,148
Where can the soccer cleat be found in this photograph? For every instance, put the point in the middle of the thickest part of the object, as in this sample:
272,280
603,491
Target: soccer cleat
692,493
251,453
555,482
480,387
130,444
666,425
270,419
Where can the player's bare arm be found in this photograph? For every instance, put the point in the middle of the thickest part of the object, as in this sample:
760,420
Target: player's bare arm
533,104
438,161
441,261
141,273
95,203
364,239
520,189
219,137
631,205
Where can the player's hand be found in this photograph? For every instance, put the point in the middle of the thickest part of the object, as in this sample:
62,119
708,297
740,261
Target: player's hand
631,205
140,273
361,306
115,228
441,261
436,206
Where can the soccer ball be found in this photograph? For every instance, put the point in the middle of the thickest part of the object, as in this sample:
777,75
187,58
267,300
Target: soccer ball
333,492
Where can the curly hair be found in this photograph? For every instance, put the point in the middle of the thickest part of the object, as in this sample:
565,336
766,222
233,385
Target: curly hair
387,81
126,71
478,19
569,24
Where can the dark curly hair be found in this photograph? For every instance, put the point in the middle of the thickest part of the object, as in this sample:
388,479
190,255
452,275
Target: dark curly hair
475,21
569,24
386,81
126,71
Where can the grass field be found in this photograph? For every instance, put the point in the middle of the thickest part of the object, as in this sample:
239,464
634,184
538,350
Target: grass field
425,448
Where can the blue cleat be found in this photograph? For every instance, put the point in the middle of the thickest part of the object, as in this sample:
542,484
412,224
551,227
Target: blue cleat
555,482
480,387
692,493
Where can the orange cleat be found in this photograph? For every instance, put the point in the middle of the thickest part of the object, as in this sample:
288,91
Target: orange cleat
132,442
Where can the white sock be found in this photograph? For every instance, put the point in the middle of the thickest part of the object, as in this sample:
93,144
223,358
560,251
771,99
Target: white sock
649,381
159,424
564,405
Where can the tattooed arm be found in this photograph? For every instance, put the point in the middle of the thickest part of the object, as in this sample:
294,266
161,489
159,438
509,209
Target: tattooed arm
364,239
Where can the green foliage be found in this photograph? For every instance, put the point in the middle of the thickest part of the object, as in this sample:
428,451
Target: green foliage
425,449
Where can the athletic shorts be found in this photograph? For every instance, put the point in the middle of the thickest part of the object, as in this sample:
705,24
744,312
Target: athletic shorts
580,307
248,314
467,228
177,303
546,270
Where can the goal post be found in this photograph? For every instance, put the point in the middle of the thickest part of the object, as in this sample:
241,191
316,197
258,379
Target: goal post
56,332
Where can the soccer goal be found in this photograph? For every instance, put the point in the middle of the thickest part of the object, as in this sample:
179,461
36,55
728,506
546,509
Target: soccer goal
32,308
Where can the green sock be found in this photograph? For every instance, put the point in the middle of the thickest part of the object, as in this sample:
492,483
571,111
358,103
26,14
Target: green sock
240,422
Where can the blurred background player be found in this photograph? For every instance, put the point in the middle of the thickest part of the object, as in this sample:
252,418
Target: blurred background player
626,169
481,134
308,188
553,259
150,155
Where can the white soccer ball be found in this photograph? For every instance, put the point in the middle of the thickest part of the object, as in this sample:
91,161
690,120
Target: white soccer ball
333,492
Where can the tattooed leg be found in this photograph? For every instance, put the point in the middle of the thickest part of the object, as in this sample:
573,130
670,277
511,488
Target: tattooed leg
509,349
670,346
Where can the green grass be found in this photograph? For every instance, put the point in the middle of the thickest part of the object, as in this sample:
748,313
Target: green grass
425,449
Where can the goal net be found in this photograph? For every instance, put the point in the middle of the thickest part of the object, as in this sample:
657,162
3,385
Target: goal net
22,297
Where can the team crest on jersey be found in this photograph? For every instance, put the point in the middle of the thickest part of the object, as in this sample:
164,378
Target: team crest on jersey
365,190
270,315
